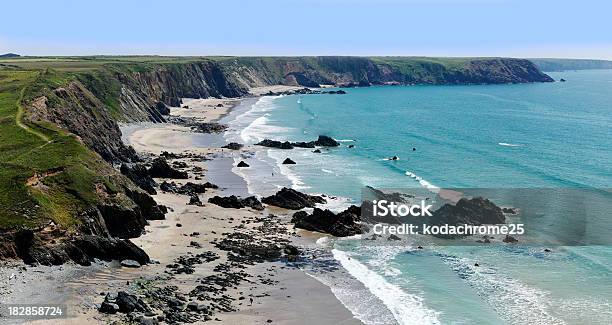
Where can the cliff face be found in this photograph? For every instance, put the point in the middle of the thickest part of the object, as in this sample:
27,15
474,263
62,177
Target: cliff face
360,71
92,104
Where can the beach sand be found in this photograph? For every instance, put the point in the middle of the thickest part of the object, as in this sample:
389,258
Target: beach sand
288,296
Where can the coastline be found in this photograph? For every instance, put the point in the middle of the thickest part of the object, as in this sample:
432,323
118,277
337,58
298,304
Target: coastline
281,293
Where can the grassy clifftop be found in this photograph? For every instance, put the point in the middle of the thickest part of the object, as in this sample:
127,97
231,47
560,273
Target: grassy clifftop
46,174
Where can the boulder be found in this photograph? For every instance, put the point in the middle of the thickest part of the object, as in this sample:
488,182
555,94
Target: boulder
288,161
275,144
325,141
128,303
510,239
317,151
160,168
233,146
236,202
108,308
138,174
194,199
242,164
476,211
227,202
343,224
291,199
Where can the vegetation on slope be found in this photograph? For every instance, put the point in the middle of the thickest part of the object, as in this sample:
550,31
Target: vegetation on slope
46,174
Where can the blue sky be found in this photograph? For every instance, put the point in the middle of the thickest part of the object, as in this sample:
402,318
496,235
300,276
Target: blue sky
536,28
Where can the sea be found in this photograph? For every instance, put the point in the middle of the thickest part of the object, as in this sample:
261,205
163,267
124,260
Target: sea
516,136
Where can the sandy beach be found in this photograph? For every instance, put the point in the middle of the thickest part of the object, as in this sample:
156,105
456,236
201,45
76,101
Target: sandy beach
271,292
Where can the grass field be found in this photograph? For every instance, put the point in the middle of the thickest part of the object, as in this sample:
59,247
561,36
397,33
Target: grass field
67,171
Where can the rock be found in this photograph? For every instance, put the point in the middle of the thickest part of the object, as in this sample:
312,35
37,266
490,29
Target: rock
512,211
476,264
108,308
233,146
242,164
192,306
130,263
393,237
351,146
343,224
236,203
510,239
160,168
547,250
292,199
162,109
275,144
122,221
128,303
562,80
476,211
253,203
138,174
179,225
149,209
227,202
288,161
107,249
325,141
394,158
317,151
194,199
310,144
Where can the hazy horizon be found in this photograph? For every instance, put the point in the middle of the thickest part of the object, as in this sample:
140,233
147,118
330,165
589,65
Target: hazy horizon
435,28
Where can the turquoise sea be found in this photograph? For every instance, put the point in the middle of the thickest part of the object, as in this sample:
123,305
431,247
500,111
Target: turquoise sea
545,135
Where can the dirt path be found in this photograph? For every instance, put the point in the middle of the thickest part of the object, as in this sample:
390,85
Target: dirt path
19,119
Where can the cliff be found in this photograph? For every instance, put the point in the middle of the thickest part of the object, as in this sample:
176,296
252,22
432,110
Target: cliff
61,136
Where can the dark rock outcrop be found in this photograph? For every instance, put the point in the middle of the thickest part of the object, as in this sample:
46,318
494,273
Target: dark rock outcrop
288,161
139,174
32,249
322,141
162,108
149,209
122,221
242,164
160,168
291,199
476,211
325,141
233,146
235,202
345,223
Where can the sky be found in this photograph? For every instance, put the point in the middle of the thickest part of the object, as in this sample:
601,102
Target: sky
515,28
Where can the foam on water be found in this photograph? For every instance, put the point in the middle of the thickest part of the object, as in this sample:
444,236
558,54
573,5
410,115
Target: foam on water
505,144
406,308
513,301
432,188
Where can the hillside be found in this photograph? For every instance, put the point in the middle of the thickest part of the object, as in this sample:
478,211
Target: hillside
571,64
59,133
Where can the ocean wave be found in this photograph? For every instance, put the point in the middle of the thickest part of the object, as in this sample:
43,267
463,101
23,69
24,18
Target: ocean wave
429,186
505,144
513,301
344,140
406,308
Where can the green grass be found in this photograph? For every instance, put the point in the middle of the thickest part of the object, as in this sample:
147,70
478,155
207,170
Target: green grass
28,148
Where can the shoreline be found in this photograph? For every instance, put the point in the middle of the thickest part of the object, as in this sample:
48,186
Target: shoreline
281,293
